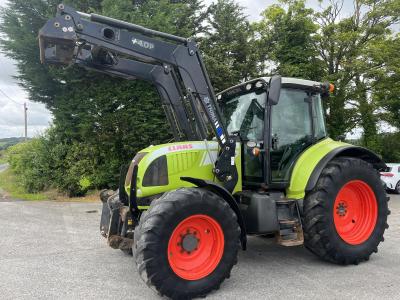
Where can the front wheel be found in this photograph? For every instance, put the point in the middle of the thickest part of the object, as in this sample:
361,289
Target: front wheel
345,214
187,243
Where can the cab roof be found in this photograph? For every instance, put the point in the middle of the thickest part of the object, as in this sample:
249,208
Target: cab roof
285,80
297,81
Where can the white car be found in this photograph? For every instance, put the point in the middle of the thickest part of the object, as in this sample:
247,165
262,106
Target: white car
392,178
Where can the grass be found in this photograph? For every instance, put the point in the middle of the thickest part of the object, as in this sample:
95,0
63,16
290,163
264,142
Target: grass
11,187
3,158
91,196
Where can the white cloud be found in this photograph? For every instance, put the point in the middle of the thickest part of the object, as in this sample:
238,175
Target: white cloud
253,8
11,113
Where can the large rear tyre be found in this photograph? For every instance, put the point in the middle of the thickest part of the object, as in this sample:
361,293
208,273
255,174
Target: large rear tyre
345,215
187,243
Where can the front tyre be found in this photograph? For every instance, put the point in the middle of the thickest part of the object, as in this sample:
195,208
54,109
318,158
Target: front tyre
345,215
187,243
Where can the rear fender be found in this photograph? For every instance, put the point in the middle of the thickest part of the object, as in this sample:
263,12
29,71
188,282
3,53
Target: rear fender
227,196
313,160
348,151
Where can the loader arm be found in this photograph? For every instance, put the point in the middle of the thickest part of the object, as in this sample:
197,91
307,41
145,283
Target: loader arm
169,93
172,63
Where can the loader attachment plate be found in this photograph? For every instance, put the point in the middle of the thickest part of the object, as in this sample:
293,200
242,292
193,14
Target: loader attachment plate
114,221
56,48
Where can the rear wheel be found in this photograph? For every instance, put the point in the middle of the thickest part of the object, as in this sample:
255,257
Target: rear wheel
187,243
397,189
345,214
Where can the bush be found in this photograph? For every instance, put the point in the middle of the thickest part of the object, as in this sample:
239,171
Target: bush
29,162
390,147
387,146
73,167
3,158
46,162
77,175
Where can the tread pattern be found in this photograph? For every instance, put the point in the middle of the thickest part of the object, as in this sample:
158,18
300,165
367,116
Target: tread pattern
397,188
150,231
320,237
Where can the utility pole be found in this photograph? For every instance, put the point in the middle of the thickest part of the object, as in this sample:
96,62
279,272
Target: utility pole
26,121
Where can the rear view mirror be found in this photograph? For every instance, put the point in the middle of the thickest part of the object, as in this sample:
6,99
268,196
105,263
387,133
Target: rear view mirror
275,84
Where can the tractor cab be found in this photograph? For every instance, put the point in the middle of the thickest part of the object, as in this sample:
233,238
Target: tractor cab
273,133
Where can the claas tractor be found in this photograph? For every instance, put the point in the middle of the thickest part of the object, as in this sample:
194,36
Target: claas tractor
254,159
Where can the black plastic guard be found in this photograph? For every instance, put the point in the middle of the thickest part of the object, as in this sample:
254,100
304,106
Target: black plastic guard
225,169
109,221
105,220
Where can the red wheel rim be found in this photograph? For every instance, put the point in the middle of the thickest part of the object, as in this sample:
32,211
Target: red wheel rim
355,212
195,247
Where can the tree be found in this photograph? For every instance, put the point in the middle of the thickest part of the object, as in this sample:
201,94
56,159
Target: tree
344,44
228,45
386,78
390,145
20,24
184,18
286,40
99,122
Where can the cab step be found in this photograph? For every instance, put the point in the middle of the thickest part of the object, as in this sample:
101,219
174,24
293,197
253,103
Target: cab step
290,228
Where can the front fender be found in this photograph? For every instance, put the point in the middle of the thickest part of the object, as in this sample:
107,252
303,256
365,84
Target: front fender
227,196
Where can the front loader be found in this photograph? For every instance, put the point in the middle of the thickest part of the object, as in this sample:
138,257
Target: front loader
253,160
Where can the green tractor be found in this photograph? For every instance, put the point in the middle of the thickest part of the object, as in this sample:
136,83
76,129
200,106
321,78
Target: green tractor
252,160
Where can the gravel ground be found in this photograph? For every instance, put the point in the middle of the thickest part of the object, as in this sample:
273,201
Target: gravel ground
53,250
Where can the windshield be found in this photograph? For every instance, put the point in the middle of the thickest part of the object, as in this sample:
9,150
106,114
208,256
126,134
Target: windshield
245,114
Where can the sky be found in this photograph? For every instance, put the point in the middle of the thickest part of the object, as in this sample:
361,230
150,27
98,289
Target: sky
11,113
39,118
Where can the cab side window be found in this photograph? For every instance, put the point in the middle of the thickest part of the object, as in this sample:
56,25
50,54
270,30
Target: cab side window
291,131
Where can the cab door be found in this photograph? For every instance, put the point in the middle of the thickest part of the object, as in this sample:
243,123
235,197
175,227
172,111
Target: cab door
291,132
